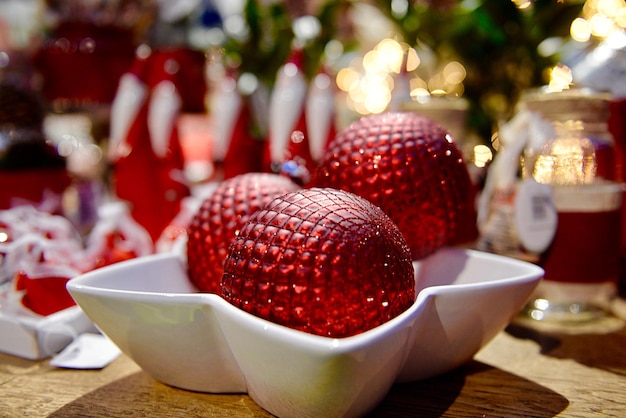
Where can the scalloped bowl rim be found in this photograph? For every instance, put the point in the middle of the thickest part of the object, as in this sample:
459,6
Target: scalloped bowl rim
522,281
81,285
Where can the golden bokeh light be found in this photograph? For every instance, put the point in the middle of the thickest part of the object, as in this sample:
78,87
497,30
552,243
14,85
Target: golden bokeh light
580,30
412,60
620,18
568,161
560,78
370,80
482,155
600,19
609,8
601,25
523,4
346,77
390,54
454,73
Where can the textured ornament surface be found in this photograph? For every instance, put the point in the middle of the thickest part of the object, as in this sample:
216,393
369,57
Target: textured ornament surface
410,167
219,219
322,261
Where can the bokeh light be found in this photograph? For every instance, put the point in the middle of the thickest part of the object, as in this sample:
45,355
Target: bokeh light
482,155
600,19
580,30
371,81
560,78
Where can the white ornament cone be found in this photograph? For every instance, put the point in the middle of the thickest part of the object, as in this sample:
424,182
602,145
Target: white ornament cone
130,96
164,107
226,104
401,93
286,106
320,111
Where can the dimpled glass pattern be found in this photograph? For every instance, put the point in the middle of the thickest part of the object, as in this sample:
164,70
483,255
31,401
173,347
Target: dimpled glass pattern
322,261
410,167
219,219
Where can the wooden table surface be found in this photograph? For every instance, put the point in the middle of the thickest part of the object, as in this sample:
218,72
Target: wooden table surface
527,371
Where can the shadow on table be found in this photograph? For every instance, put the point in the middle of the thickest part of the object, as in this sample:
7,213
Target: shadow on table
475,389
472,390
140,395
599,350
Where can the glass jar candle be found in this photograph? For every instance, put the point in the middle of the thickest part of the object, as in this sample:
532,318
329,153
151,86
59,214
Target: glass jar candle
577,161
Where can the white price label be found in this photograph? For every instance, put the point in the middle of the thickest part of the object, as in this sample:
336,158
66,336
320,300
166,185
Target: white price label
87,351
535,215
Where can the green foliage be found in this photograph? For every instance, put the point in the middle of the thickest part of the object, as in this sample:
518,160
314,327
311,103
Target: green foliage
266,44
270,39
497,43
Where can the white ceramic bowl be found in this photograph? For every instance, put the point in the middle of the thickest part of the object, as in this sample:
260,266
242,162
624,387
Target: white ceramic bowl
200,342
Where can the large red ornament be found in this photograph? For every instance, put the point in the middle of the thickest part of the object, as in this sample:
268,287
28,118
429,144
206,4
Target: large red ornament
322,261
409,166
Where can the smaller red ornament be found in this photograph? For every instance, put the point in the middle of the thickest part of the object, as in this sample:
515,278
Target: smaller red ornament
219,219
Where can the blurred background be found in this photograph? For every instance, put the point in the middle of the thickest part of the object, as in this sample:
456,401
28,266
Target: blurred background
466,63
